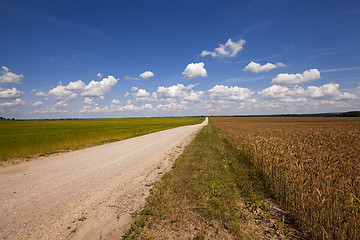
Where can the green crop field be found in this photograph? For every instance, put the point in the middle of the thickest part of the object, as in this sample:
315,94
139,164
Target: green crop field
23,139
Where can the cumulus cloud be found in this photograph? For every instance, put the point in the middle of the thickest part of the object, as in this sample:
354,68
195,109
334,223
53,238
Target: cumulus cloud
61,104
134,88
281,92
295,79
143,95
97,89
9,93
91,109
8,77
256,67
99,75
126,94
229,49
146,75
115,101
330,90
115,108
38,103
180,92
327,91
89,101
194,96
194,70
174,91
16,102
131,107
147,106
40,94
76,86
171,107
50,109
61,93
226,93
170,92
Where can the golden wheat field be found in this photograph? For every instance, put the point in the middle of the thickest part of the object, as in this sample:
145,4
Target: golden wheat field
312,166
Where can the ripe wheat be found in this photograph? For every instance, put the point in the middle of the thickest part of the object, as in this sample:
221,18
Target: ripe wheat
312,166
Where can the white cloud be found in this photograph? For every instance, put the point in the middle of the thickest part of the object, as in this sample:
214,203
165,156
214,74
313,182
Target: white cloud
171,107
285,94
141,93
281,92
134,88
93,89
256,67
170,92
295,79
127,77
97,89
9,93
76,86
225,93
146,75
8,77
50,110
38,103
91,109
115,101
61,104
229,49
99,75
132,107
115,108
174,91
126,94
41,94
330,90
16,102
194,96
178,92
61,93
148,106
194,70
89,101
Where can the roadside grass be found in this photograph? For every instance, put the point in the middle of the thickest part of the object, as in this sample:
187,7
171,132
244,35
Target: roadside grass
211,192
26,139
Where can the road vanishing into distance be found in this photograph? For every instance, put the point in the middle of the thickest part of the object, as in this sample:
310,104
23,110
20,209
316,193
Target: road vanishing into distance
89,193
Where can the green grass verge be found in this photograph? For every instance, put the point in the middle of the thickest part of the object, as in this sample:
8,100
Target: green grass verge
21,139
205,194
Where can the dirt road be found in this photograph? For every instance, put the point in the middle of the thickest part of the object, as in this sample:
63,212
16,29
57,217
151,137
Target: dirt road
89,193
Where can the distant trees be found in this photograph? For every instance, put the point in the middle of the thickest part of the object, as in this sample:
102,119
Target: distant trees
350,114
2,118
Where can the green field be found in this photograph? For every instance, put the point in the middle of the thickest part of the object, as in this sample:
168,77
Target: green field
24,139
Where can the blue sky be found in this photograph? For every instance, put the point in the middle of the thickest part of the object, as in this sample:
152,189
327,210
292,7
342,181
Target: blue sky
64,59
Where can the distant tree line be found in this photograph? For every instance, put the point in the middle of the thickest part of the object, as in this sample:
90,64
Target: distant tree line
350,114
11,119
344,114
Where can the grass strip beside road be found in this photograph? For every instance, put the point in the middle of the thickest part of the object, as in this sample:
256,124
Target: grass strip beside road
26,139
212,191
